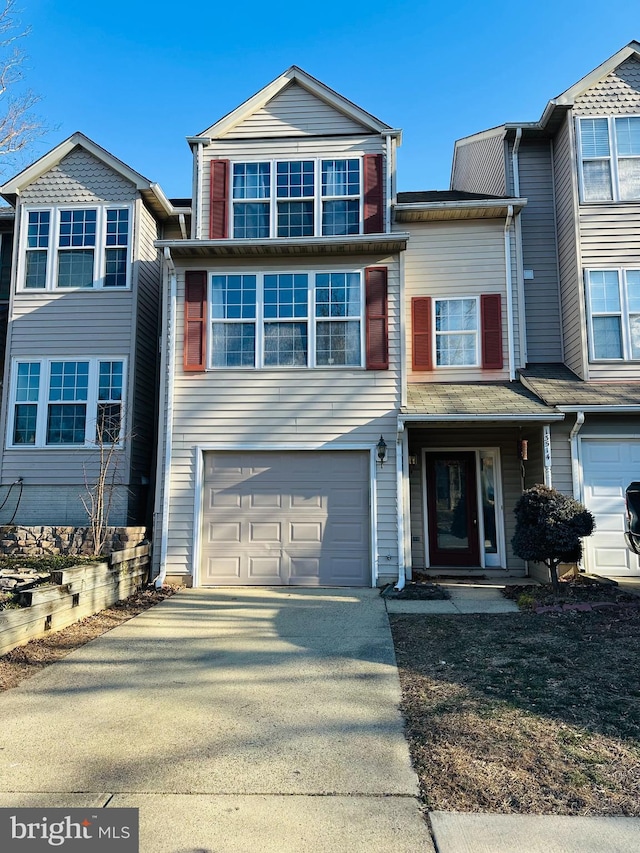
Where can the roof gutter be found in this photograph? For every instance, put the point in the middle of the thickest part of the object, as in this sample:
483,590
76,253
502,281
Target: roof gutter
169,358
488,418
594,410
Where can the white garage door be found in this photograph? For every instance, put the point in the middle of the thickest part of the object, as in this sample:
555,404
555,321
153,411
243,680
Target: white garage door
294,517
608,468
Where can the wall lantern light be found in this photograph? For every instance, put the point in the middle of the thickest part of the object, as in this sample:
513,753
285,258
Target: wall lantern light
381,447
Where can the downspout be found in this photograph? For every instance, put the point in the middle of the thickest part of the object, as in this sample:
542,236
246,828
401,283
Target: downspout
575,464
400,465
546,449
168,433
388,183
509,283
522,327
196,221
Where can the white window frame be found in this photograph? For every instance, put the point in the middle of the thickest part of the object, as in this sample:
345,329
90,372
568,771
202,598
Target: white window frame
624,313
99,250
613,158
43,402
477,333
311,320
317,197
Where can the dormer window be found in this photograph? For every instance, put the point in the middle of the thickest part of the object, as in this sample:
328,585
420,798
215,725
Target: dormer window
610,158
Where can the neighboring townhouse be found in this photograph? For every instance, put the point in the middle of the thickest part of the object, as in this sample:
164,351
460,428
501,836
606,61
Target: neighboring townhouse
578,246
282,349
82,338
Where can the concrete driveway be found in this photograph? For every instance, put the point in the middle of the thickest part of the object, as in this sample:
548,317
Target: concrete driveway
236,720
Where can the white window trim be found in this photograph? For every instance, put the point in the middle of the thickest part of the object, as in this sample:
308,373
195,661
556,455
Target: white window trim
613,158
478,333
621,273
317,197
311,320
99,259
43,402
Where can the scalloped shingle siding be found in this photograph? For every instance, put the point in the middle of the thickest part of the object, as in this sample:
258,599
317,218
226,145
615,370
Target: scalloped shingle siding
617,94
79,178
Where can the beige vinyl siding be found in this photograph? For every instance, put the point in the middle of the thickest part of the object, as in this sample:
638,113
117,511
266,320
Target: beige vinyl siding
454,260
295,112
143,407
281,149
318,407
471,437
617,94
539,253
573,318
479,166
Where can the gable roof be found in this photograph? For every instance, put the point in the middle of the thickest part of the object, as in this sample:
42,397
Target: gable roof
307,82
568,97
151,192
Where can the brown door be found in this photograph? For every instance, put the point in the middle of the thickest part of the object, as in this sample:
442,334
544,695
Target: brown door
452,509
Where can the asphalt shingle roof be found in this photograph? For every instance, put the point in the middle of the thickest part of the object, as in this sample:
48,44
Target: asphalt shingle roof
426,196
469,399
559,386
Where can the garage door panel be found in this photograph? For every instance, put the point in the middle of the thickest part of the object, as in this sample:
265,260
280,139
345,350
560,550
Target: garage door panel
313,506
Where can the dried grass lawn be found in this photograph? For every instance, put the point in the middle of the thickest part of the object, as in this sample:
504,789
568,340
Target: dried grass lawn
524,713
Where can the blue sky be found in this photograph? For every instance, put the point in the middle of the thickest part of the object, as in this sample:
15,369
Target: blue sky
139,77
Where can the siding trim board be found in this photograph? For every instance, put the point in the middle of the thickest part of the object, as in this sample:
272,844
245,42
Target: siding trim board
198,457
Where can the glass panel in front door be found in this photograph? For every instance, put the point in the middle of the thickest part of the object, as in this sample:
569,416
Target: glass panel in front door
451,504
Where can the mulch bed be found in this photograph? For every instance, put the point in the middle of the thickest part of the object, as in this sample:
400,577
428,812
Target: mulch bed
576,593
523,715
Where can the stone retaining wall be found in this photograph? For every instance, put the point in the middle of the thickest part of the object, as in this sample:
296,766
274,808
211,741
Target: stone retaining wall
68,541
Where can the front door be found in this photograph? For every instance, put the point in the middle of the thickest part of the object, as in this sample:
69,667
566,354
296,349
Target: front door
452,509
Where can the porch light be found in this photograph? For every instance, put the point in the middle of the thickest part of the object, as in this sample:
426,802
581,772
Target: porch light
381,447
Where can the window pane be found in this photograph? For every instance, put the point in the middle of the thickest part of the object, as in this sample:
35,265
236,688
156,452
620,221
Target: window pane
117,227
628,135
295,219
234,345
285,296
634,329
594,136
36,271
340,217
629,178
251,180
77,228
456,350
456,315
115,268
69,380
38,229
340,177
488,485
338,295
28,384
66,424
233,297
250,220
604,291
596,180
75,268
110,380
338,343
24,428
633,290
295,179
108,423
285,344
607,337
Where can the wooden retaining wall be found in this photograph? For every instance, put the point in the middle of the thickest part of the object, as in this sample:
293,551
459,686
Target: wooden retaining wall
72,595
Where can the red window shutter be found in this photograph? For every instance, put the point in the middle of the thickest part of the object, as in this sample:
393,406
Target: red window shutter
421,333
195,321
376,313
373,194
219,200
491,314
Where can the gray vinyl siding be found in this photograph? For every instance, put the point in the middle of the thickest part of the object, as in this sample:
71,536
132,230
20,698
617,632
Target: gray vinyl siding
295,112
533,467
617,94
52,505
79,178
456,259
603,426
539,253
242,150
147,276
256,408
479,166
570,275
561,471
471,437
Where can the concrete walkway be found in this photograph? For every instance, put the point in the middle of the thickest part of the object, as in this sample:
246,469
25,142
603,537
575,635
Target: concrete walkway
464,598
235,720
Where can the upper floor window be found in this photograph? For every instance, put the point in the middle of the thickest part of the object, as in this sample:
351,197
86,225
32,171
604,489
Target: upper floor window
610,158
79,247
614,313
456,332
296,198
66,403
